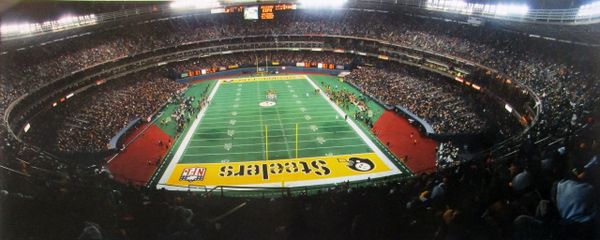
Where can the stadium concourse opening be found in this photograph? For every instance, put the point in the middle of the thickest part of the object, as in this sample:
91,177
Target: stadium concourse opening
301,138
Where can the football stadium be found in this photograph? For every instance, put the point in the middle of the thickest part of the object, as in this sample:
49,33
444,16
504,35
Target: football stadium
300,119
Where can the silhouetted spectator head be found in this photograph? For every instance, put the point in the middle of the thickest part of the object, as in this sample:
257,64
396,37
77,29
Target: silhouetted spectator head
575,201
91,231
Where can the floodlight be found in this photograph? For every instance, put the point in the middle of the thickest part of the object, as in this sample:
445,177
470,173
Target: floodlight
194,4
19,28
322,3
65,20
589,10
504,9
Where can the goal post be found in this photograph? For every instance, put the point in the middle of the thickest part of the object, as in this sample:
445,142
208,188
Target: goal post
271,95
266,143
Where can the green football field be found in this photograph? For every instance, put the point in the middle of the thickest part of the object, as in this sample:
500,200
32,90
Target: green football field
236,128
241,131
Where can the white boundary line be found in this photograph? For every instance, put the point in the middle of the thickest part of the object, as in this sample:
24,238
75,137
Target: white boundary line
250,116
236,128
282,129
238,121
394,170
188,136
284,150
364,136
304,183
275,143
262,78
300,134
254,111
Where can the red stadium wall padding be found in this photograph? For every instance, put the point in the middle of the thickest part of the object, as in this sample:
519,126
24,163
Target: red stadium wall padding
138,161
419,150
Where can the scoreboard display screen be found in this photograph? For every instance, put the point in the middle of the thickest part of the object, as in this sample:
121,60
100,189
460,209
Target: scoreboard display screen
262,12
251,13
234,9
266,12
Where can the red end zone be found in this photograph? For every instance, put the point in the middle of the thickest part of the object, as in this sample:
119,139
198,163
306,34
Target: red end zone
138,161
396,130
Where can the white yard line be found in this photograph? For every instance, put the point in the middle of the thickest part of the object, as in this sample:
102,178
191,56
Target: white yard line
393,169
246,106
289,114
301,149
204,124
282,128
186,140
364,136
313,133
248,99
262,124
260,78
276,143
253,131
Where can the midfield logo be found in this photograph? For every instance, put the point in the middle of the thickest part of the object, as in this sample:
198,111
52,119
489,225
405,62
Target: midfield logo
192,174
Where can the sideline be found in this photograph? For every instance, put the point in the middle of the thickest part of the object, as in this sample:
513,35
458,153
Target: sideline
188,136
366,139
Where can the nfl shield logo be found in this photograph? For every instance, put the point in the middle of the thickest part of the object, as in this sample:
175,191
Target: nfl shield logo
192,174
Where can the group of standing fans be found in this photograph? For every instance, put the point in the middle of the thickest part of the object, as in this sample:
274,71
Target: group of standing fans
345,99
186,110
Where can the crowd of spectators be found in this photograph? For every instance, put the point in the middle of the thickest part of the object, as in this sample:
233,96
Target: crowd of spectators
557,81
87,121
284,58
89,125
548,193
445,106
447,155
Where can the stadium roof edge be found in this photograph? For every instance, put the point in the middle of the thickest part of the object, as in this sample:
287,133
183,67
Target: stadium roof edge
564,17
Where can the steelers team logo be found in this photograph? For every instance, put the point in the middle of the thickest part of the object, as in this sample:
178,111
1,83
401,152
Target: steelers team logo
267,104
360,164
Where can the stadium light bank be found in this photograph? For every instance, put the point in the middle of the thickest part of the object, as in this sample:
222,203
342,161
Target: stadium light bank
194,4
590,10
462,7
65,22
322,4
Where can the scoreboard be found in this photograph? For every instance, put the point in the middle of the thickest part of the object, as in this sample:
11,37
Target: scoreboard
262,12
266,12
234,9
